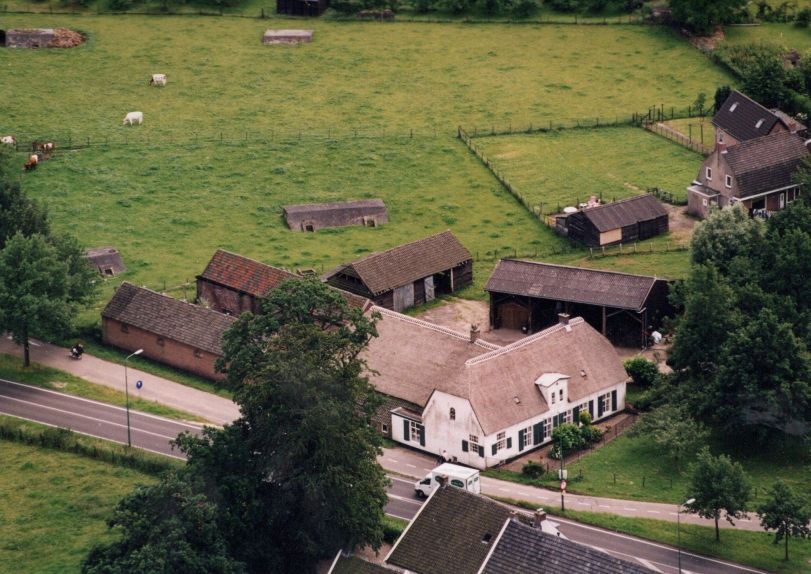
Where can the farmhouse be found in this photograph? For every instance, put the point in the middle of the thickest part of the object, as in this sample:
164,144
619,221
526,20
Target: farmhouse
484,404
407,275
757,173
623,221
301,7
107,260
315,216
232,283
740,119
170,331
529,296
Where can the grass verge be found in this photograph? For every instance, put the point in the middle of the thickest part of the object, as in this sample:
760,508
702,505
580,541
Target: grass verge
47,378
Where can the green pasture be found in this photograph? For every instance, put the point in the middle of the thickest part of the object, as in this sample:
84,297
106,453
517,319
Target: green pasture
54,507
786,35
380,78
561,168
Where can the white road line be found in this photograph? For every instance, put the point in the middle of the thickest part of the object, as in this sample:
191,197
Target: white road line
629,508
400,517
392,460
398,479
89,418
410,465
649,564
653,511
404,499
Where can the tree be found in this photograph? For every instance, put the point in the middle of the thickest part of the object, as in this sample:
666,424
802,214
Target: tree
42,285
299,467
674,430
702,16
785,512
721,95
566,438
642,371
165,529
718,485
763,77
723,236
18,213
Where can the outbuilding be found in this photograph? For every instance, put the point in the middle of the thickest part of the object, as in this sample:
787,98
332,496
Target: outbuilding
107,260
287,36
315,216
624,221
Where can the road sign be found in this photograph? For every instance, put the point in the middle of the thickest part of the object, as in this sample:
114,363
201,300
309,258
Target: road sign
563,486
139,384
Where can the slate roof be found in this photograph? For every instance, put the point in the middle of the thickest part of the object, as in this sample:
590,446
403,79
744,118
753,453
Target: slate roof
766,163
354,565
448,535
573,284
168,317
739,116
382,272
525,550
626,212
243,274
410,359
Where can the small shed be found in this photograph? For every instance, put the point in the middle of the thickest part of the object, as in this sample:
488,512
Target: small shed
301,7
287,36
29,37
315,216
107,260
624,221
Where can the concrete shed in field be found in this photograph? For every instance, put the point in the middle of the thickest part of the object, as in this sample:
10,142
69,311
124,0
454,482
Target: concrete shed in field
29,37
107,260
315,216
287,36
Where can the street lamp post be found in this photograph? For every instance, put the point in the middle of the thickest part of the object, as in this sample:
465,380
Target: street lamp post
127,393
678,527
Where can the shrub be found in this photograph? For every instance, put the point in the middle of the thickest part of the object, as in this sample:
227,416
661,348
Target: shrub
585,418
803,18
524,8
392,529
563,5
532,469
643,372
590,435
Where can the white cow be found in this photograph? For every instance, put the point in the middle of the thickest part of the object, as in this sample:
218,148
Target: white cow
8,140
157,80
133,118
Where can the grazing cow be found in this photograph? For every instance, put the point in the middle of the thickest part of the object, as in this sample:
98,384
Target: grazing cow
42,147
32,162
8,140
133,118
157,80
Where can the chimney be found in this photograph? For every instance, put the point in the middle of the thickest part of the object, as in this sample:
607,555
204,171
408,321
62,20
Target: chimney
563,318
538,519
474,332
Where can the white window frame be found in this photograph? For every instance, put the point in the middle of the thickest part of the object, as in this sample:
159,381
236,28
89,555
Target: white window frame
414,431
473,439
781,200
527,432
501,441
561,395
704,202
708,172
728,180
606,401
758,124
553,397
567,417
547,429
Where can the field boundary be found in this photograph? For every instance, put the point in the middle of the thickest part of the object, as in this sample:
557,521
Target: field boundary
674,135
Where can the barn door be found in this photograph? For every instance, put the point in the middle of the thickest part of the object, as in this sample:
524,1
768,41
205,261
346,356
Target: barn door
404,297
429,289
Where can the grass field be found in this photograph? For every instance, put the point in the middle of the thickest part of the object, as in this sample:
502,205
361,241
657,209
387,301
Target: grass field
785,35
54,507
557,169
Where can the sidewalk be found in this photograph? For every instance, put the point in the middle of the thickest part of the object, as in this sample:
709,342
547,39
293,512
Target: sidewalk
416,464
217,410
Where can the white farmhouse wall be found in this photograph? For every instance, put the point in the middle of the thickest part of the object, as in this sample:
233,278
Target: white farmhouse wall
443,433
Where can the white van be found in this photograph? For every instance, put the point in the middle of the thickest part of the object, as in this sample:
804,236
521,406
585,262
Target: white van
455,475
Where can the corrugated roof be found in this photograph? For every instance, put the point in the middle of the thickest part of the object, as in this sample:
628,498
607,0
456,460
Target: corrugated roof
573,284
168,317
625,212
381,272
243,274
766,163
744,118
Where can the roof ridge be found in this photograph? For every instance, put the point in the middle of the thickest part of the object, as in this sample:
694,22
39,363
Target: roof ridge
523,342
169,297
625,200
240,256
655,277
434,327
377,253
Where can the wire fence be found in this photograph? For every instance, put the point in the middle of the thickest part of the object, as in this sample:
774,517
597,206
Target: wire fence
675,135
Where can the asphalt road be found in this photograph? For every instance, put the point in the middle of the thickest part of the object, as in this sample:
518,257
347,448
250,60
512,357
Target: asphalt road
154,433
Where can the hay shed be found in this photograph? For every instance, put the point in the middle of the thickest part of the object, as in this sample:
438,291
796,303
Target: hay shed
315,216
287,36
107,260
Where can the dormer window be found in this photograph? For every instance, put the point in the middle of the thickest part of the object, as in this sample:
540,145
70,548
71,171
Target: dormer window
709,173
733,106
758,124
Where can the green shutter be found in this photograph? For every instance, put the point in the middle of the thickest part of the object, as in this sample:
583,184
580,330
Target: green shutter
421,431
481,451
509,442
406,430
591,408
576,415
537,433
599,407
495,448
520,441
614,400
465,447
555,422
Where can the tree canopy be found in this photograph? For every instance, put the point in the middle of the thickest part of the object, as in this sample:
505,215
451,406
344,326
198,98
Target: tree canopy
18,213
787,513
702,16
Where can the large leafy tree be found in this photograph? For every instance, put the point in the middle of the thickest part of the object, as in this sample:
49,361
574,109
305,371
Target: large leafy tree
43,282
787,513
702,16
724,236
718,486
674,430
18,213
167,528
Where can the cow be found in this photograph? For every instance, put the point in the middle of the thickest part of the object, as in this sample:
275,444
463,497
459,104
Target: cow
157,80
45,148
32,162
133,118
8,140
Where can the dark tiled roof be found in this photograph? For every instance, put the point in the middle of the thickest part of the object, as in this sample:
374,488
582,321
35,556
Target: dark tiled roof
574,284
354,565
243,274
168,317
625,212
526,550
452,534
381,272
335,214
765,163
739,117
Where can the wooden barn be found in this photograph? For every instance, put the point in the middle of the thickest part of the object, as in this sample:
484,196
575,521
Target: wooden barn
315,216
107,260
624,221
529,296
310,8
407,275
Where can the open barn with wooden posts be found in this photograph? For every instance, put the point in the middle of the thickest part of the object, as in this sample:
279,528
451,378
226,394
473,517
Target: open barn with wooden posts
315,216
529,296
409,274
624,221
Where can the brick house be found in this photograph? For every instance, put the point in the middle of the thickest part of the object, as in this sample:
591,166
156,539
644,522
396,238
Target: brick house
170,331
409,274
740,119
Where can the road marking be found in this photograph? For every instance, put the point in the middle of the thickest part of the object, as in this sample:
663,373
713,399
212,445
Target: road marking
400,517
604,506
502,489
410,465
649,564
404,499
630,509
653,511
398,479
392,460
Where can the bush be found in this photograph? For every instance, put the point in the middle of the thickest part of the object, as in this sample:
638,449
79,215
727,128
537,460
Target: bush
803,18
532,470
392,529
643,372
590,435
585,418
524,8
563,5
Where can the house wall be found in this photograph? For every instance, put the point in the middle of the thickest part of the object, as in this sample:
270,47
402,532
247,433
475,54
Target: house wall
225,299
382,418
171,352
609,237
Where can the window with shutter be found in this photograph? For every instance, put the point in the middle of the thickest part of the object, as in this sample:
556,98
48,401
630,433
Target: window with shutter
481,451
494,449
537,433
509,442
576,415
614,400
520,441
599,408
591,408
406,429
465,446
421,432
